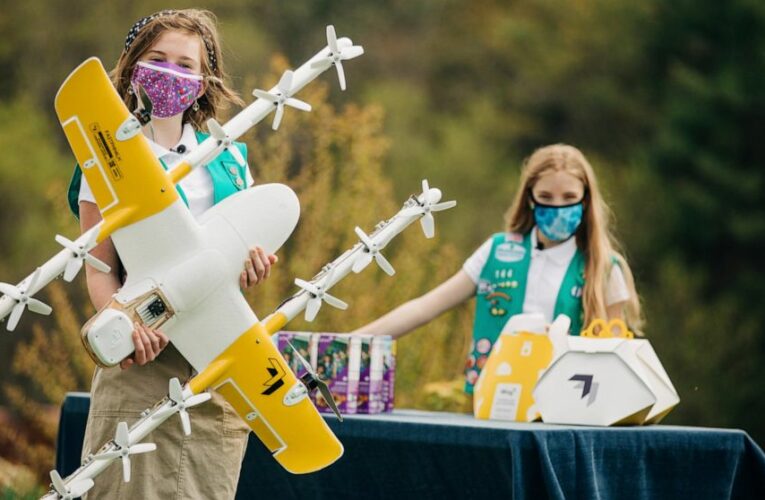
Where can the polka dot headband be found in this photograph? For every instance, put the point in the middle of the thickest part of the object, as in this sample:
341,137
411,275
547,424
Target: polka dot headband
139,25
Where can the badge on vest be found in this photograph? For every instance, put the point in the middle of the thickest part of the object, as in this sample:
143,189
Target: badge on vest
484,287
509,252
576,291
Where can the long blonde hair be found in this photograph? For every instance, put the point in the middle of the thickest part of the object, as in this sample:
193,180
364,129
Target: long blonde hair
193,21
593,236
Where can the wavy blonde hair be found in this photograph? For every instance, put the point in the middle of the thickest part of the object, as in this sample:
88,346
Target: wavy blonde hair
192,21
593,236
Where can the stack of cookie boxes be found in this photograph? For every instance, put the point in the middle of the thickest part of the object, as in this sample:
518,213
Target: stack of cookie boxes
358,369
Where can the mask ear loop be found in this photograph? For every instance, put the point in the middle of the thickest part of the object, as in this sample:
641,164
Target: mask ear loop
532,202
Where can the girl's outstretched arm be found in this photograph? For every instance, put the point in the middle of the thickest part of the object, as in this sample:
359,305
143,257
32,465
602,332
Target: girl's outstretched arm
421,310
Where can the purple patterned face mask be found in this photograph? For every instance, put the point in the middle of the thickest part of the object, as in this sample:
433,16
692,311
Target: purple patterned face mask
171,88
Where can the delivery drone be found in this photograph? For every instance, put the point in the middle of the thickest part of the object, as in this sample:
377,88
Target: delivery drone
187,280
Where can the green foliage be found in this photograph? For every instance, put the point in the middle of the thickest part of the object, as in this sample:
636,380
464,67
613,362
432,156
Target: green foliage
665,98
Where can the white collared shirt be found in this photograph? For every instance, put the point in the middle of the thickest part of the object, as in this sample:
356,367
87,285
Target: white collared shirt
546,272
197,186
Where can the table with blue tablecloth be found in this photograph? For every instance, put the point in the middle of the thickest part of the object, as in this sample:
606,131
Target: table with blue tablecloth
417,454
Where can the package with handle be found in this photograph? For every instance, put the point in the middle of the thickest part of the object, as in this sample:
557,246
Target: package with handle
522,352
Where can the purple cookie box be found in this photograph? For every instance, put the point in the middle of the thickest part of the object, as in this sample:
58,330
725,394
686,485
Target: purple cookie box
302,342
337,362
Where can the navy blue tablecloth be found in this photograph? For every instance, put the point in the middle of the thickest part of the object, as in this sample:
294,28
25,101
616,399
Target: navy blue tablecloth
414,454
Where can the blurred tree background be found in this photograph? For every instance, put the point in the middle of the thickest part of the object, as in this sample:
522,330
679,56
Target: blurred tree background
667,100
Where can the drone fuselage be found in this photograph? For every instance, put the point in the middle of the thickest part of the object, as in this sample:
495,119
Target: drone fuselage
189,272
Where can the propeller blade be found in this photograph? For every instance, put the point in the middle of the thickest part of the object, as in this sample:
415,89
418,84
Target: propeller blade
198,399
285,83
100,265
364,237
340,74
215,129
16,313
361,262
122,438
10,290
175,390
142,448
126,468
352,52
305,363
66,243
237,156
262,94
298,104
186,422
58,483
443,206
384,264
74,265
425,190
335,302
72,268
327,395
312,308
278,117
38,307
308,287
428,225
332,38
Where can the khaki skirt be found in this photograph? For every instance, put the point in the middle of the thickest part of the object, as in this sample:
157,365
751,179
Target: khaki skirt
205,464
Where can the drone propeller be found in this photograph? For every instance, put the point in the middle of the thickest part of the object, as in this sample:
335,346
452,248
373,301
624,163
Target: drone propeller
314,381
80,255
319,295
23,300
371,251
181,404
336,55
426,207
124,450
224,140
282,98
75,490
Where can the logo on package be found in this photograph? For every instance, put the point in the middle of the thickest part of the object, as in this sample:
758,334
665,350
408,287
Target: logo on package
588,387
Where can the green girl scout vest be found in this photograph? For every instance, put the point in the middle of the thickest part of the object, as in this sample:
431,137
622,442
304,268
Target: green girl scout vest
501,290
227,175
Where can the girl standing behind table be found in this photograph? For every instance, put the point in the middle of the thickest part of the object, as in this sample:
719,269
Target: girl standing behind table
556,256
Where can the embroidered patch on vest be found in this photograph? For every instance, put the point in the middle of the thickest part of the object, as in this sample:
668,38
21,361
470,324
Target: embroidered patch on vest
510,252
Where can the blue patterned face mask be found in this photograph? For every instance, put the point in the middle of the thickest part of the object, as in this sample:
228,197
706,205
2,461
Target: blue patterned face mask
558,223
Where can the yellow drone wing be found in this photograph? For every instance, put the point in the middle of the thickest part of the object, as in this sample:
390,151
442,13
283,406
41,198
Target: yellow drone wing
254,377
128,181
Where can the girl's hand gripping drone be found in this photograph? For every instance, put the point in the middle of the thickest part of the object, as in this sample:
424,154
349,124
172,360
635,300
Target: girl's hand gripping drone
187,278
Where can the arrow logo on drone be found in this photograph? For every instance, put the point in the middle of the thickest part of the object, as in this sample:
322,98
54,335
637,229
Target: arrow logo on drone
277,374
588,387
